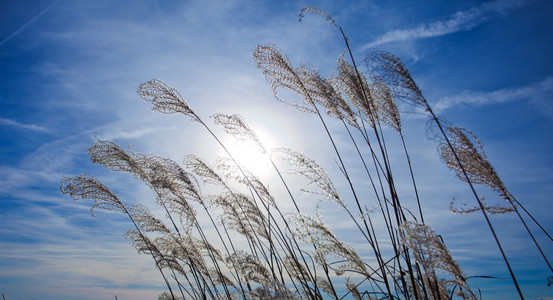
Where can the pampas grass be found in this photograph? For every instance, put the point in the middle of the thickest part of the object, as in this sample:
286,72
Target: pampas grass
249,247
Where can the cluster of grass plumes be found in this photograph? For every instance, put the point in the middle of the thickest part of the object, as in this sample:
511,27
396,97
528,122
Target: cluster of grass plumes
259,251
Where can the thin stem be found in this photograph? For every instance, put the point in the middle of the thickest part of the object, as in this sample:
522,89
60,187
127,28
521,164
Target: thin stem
482,208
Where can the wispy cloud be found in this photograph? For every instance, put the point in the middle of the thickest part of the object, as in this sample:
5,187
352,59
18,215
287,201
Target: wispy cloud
538,93
460,21
28,23
12,123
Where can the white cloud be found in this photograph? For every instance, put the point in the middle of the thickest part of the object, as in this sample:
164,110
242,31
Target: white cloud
538,93
80,267
12,123
460,21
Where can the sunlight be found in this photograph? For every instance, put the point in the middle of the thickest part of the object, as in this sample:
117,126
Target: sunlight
250,156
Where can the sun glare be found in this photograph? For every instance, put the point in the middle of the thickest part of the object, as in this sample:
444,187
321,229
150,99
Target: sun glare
250,156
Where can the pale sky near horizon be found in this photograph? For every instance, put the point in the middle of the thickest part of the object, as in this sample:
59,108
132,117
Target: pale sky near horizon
69,73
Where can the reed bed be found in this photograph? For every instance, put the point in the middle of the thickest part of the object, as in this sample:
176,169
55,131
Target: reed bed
238,243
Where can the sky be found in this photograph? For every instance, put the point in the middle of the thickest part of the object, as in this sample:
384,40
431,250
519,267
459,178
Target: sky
69,71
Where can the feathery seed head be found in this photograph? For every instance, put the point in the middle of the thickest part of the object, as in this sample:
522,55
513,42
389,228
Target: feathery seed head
164,173
323,92
430,251
241,214
202,169
390,69
325,286
296,269
141,242
165,99
300,164
251,268
315,232
279,72
357,92
352,287
114,158
145,220
387,109
231,170
495,209
144,244
315,10
236,126
473,160
87,187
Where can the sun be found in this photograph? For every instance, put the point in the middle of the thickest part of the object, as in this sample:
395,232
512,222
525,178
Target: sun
250,156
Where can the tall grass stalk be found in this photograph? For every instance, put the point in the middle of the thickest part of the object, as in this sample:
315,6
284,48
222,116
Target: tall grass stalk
260,251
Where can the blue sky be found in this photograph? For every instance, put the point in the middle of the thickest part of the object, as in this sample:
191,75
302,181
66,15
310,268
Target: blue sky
69,71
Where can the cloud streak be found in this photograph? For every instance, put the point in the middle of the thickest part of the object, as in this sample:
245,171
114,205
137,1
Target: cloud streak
538,93
460,21
9,37
12,123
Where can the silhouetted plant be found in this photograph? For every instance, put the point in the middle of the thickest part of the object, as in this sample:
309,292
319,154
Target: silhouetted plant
257,250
